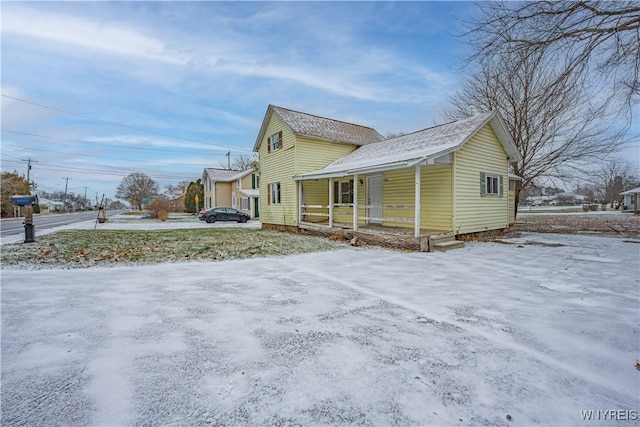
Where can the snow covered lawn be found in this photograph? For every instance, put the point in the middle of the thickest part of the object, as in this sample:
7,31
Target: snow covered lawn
538,331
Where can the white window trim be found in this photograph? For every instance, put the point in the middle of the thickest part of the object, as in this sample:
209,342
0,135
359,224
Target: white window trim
244,203
496,188
348,193
275,193
272,148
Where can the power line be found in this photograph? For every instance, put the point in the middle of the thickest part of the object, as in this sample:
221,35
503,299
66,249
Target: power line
46,166
84,116
64,140
92,155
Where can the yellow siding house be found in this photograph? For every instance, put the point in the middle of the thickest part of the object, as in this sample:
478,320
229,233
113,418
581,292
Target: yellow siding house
452,178
232,189
291,143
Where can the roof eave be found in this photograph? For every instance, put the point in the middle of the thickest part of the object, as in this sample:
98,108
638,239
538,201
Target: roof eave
263,127
505,137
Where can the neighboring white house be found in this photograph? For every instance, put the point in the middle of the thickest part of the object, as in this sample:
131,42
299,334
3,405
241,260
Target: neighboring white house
50,205
629,197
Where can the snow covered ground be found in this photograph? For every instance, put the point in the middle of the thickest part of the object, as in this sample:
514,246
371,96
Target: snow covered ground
124,222
538,330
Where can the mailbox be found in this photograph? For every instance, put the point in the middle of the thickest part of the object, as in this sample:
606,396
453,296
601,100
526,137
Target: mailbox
25,200
28,202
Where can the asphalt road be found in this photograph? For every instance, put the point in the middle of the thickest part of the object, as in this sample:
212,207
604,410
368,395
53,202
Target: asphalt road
10,227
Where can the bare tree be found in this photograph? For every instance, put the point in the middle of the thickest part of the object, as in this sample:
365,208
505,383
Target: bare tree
240,163
615,176
173,189
137,187
391,135
597,40
554,123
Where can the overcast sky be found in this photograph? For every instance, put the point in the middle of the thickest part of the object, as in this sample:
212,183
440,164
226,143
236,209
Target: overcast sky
94,91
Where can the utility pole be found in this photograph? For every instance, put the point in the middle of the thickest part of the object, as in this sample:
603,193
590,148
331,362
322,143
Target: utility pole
84,201
229,160
96,199
29,170
64,202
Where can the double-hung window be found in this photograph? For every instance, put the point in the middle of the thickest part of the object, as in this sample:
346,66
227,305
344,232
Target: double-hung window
343,192
490,185
274,193
274,142
244,202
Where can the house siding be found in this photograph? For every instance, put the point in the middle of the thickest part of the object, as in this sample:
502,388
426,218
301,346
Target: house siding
223,194
436,188
435,197
208,193
278,166
316,193
398,189
483,153
245,183
299,154
314,154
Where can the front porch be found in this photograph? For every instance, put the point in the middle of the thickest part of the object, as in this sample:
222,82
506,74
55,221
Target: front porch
427,241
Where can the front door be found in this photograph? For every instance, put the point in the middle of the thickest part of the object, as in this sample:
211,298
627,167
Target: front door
374,199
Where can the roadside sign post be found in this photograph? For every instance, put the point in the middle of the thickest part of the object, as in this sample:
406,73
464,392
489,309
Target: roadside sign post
28,201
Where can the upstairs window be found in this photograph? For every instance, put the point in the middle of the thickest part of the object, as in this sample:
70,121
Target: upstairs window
274,142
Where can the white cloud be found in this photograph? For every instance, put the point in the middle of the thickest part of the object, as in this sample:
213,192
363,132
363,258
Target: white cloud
68,29
344,67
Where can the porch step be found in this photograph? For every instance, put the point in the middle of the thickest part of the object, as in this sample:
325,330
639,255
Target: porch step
443,242
446,245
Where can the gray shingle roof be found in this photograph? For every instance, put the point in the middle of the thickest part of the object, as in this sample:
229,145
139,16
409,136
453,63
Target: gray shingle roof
430,142
226,175
328,129
221,174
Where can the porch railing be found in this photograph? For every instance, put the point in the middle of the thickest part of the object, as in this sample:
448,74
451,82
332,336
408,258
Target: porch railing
305,213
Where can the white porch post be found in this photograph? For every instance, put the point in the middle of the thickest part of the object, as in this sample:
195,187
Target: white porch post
355,202
417,203
331,202
299,202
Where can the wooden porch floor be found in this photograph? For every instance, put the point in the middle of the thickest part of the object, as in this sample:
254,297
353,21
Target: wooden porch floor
374,229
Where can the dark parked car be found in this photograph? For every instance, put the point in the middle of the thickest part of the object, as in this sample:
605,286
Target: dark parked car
223,214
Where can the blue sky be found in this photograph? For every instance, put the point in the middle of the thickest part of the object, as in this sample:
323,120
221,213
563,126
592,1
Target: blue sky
178,84
205,72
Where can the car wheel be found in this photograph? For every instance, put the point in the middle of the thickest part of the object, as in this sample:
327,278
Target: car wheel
211,219
244,219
